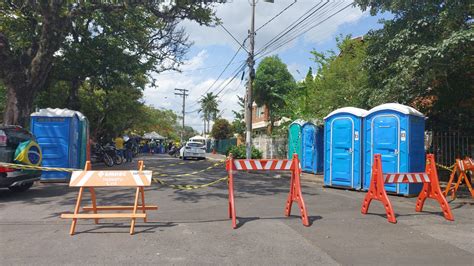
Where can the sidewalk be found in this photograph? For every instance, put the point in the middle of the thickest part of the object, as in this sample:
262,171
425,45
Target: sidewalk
215,157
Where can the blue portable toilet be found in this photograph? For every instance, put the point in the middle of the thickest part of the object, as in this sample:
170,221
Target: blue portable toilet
396,132
294,138
343,148
58,132
312,148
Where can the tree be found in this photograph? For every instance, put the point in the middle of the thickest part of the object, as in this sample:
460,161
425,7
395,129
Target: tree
272,82
238,125
340,81
209,109
423,58
221,129
33,33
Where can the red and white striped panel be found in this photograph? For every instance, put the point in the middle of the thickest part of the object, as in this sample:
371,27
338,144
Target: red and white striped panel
466,164
407,178
262,164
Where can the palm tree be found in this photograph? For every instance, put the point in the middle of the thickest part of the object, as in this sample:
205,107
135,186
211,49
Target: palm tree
209,109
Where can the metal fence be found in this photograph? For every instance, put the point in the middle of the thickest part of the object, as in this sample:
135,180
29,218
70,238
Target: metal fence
222,145
448,146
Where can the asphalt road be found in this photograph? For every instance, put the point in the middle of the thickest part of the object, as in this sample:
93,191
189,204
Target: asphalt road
192,227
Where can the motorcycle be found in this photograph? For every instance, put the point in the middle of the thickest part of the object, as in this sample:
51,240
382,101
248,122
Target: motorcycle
114,153
174,151
99,155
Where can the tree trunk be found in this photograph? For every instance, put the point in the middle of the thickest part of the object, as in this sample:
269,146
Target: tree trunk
204,129
18,106
73,102
25,74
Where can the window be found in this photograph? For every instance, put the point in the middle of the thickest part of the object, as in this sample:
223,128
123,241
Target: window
260,111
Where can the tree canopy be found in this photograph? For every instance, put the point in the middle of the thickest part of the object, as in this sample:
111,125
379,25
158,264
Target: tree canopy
272,82
221,129
423,58
208,109
89,40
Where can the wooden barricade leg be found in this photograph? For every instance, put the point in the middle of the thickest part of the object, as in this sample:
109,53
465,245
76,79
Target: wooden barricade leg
94,203
76,210
432,190
377,191
230,184
135,207
295,192
142,192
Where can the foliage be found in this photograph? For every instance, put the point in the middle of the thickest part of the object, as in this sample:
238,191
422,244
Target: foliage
91,40
423,58
238,125
272,82
162,121
189,132
209,108
239,152
221,129
341,80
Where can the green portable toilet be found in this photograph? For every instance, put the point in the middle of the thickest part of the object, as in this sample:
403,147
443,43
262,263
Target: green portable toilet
294,138
84,139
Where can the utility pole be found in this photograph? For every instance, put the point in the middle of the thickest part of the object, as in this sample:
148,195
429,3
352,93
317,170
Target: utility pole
183,94
249,101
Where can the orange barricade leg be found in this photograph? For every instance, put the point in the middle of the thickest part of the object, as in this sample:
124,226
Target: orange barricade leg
432,190
450,182
377,191
295,192
230,183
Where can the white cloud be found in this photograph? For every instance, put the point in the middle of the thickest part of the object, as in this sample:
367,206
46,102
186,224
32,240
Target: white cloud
163,96
236,18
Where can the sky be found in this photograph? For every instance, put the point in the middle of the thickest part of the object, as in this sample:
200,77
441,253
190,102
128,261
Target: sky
213,49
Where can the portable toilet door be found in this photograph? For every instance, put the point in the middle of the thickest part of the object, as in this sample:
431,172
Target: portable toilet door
312,147
294,138
343,148
396,132
57,132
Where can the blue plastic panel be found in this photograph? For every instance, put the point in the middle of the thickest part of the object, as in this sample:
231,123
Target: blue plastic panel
342,162
399,138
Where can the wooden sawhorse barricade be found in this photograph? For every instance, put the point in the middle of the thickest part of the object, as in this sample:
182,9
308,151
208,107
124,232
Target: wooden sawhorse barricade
430,189
460,168
91,179
268,165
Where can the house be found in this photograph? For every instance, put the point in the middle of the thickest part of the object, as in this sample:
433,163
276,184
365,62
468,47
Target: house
261,120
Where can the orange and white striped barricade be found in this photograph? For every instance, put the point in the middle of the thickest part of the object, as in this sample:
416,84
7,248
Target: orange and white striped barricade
460,169
430,189
268,165
91,179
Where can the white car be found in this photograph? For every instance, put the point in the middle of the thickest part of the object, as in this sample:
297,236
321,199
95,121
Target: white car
193,150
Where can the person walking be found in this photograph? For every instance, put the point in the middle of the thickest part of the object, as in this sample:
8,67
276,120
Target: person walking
128,150
119,141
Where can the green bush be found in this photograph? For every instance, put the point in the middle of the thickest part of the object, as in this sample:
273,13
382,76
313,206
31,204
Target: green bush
238,152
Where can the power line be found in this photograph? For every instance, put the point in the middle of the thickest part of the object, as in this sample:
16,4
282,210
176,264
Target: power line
293,25
277,15
235,39
303,31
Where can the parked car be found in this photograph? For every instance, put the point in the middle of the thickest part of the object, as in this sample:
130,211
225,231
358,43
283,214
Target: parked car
15,179
193,150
